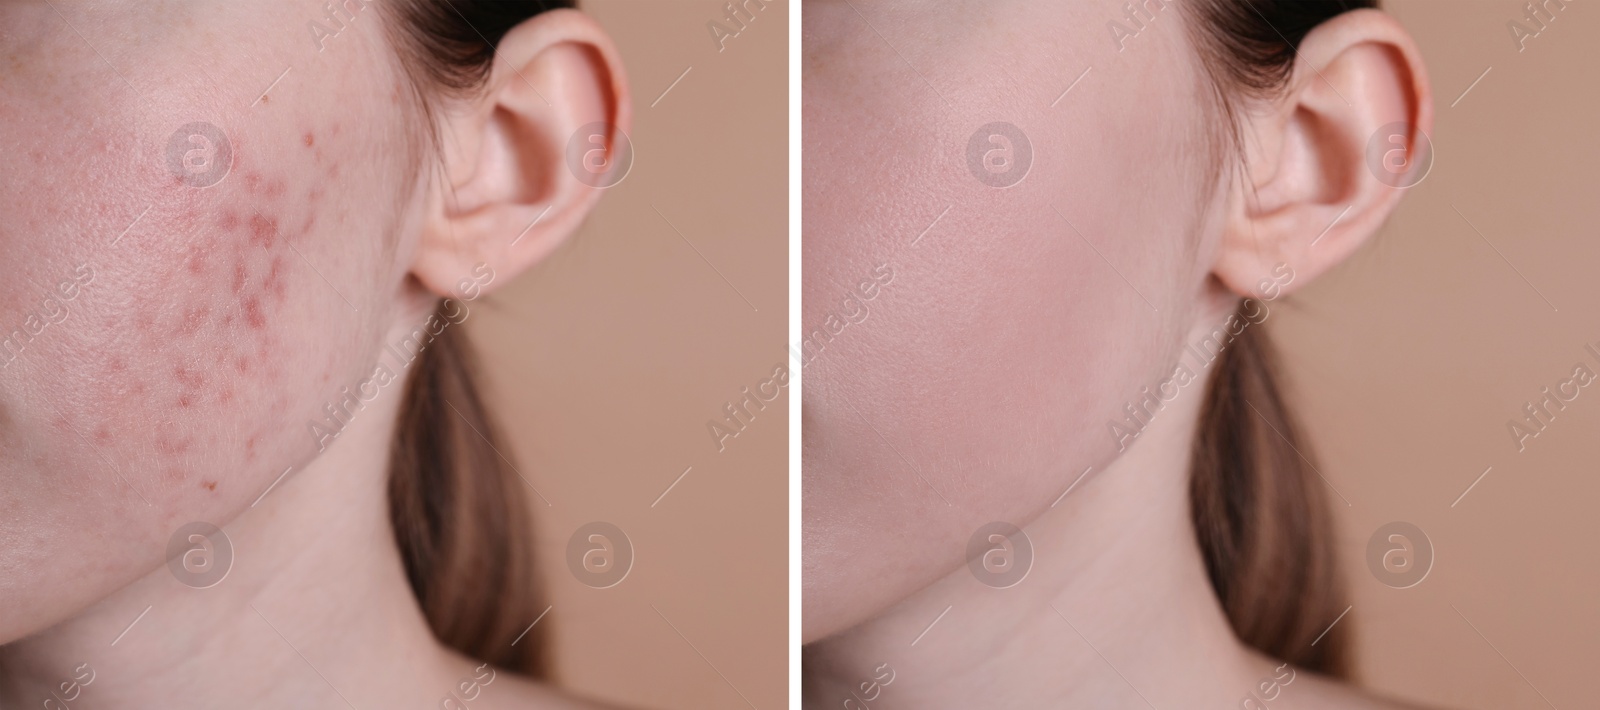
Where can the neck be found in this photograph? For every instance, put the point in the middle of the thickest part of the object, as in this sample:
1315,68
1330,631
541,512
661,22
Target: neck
315,610
1116,611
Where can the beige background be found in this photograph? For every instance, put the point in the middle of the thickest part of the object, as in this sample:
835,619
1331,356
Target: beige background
1407,364
608,361
1409,361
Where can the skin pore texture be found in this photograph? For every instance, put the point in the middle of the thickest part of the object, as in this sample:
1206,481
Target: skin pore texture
1019,321
170,344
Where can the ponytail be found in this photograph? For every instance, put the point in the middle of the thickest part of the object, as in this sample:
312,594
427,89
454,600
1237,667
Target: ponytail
460,514
1261,515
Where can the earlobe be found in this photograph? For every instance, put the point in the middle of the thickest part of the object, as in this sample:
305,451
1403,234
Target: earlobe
522,166
1329,160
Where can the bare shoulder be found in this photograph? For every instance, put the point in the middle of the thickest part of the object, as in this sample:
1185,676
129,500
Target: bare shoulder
1316,692
479,686
513,691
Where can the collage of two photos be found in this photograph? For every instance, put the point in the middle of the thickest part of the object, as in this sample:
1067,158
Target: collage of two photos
861,354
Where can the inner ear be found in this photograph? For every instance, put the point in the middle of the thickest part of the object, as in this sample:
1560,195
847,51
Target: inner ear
1317,149
510,154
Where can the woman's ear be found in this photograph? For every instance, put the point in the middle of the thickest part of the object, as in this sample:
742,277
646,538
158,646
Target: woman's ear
525,159
1329,159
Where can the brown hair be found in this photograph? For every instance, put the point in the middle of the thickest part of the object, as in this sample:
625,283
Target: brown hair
1258,503
459,509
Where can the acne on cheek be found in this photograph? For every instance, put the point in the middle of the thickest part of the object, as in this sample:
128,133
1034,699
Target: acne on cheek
220,332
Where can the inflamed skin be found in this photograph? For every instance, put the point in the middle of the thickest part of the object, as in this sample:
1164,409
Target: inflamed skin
216,219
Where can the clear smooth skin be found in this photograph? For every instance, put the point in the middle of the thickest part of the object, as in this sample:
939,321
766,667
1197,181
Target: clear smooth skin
200,342
979,386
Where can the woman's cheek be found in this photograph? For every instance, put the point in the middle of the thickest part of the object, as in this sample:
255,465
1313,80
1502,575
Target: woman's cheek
211,327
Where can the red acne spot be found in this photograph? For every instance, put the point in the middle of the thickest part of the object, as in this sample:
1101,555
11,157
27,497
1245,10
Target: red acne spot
252,313
276,188
210,485
310,139
229,220
196,262
168,445
274,282
193,319
226,396
187,377
118,365
185,401
102,435
263,230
